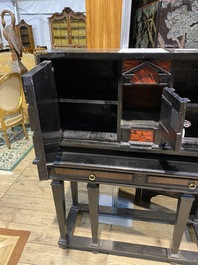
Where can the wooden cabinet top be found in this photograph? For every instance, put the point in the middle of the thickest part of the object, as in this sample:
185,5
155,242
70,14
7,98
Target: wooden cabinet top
132,53
66,12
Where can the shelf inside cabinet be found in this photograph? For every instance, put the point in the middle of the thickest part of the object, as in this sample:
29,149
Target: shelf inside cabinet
85,101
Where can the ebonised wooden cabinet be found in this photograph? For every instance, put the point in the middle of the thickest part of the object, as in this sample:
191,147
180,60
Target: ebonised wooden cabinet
142,101
68,29
118,117
26,35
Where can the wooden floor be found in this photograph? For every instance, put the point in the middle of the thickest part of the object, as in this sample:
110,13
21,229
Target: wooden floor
26,203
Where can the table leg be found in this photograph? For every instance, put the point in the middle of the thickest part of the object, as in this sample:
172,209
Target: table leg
74,192
59,201
93,197
194,214
183,209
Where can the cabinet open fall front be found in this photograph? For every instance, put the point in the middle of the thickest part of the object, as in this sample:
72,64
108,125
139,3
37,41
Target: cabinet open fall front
123,118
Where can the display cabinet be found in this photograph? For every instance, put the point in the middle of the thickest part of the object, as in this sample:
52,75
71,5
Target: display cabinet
68,29
26,35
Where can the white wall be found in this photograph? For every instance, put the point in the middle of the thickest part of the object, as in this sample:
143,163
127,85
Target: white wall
37,12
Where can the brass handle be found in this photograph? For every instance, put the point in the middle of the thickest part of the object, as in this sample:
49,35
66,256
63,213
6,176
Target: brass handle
92,177
192,185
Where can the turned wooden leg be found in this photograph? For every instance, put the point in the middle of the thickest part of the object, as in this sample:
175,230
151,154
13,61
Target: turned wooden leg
7,140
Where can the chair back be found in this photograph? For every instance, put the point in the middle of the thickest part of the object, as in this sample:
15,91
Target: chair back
10,92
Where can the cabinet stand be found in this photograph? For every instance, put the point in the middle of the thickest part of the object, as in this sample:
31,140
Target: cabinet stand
67,225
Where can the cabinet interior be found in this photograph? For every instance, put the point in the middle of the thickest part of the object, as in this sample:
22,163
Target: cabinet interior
141,102
88,96
97,104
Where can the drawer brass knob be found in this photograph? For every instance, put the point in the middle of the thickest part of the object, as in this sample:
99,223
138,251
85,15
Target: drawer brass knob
92,177
192,185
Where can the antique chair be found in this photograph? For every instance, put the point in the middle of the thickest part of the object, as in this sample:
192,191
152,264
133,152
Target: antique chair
8,66
11,97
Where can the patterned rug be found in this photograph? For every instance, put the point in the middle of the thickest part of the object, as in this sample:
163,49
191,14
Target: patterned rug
20,147
12,243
